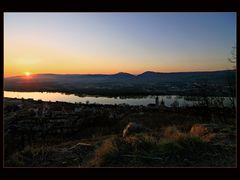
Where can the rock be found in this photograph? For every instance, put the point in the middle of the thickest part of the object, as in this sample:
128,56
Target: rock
131,128
79,145
199,130
207,132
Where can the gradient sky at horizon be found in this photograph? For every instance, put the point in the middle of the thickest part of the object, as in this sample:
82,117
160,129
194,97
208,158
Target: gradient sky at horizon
107,43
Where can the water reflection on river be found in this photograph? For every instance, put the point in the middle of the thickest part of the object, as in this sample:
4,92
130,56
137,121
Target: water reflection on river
138,100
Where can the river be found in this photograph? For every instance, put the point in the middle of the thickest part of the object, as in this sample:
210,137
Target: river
71,98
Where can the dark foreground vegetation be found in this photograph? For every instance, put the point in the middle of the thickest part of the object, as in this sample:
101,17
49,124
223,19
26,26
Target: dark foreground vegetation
41,134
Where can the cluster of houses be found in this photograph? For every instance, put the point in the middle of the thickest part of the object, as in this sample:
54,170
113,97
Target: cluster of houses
57,109
40,109
30,119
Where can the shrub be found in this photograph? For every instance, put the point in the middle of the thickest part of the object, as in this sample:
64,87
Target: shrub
105,148
171,132
186,151
30,156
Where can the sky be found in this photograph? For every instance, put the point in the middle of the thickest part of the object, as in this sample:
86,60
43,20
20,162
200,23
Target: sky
108,43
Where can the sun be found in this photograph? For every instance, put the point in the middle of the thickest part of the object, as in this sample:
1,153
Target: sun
27,74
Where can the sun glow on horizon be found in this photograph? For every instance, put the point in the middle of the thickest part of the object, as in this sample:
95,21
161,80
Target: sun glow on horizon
108,43
27,74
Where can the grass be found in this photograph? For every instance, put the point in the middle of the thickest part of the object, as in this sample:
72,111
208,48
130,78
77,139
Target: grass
147,151
167,144
30,156
171,149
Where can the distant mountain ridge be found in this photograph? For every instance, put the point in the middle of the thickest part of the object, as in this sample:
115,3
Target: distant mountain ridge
124,74
120,83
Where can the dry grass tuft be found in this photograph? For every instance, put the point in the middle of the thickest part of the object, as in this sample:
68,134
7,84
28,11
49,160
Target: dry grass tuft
105,148
203,132
172,132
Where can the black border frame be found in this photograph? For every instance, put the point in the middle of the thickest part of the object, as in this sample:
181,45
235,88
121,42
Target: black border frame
118,6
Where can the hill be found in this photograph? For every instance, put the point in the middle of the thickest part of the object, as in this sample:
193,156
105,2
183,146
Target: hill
216,83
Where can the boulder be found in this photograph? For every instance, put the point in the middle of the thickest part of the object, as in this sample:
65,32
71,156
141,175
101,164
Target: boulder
206,132
199,130
131,128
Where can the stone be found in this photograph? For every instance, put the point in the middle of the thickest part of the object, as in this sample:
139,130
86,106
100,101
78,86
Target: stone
207,132
131,128
199,130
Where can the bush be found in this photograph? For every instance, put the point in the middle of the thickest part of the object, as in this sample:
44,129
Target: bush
105,148
30,156
185,151
173,133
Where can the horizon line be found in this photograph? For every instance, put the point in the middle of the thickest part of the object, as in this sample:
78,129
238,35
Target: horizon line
123,73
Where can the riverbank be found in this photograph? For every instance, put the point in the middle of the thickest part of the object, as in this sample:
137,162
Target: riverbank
109,93
130,100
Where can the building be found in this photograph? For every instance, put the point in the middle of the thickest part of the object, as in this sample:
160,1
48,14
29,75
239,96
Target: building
77,109
35,110
157,101
162,103
45,109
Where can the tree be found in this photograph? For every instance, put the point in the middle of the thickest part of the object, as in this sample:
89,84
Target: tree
233,59
231,83
162,103
175,104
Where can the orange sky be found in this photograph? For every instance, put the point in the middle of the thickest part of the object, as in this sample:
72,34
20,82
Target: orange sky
107,43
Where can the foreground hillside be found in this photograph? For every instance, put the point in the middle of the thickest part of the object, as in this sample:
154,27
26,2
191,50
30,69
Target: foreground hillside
217,83
141,150
102,136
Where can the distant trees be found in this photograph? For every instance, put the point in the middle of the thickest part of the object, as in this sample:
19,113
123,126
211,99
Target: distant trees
11,108
175,104
162,103
203,91
231,82
233,59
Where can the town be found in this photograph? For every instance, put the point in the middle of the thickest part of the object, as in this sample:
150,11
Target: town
30,121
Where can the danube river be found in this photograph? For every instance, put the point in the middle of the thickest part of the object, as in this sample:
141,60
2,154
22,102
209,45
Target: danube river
145,100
